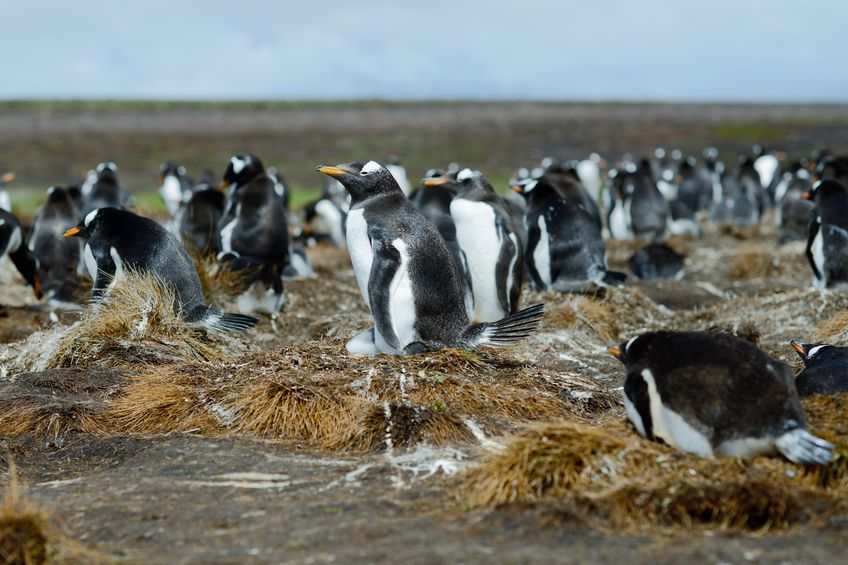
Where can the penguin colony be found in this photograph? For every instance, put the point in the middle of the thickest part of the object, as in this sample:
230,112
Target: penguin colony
443,264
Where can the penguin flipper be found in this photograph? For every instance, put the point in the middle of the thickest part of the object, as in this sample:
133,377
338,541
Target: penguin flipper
800,446
227,321
813,228
384,267
613,278
505,331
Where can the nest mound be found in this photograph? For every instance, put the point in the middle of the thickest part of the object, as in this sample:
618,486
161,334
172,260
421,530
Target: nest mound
135,325
611,478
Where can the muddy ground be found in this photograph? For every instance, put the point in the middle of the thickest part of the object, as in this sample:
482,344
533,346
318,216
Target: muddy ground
218,495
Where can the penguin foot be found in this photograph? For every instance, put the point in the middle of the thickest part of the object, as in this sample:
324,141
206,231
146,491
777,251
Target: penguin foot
363,344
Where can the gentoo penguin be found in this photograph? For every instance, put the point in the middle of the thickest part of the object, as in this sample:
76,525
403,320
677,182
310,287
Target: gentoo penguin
12,244
656,261
565,246
176,186
407,276
589,171
331,209
793,212
565,179
827,240
825,368
640,209
5,199
255,236
491,243
58,257
198,219
767,165
117,240
693,190
106,191
742,199
433,200
708,394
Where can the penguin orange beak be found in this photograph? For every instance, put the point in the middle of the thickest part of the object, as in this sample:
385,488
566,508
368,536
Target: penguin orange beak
224,184
798,346
614,350
516,188
36,287
436,181
161,178
8,177
72,232
807,196
331,171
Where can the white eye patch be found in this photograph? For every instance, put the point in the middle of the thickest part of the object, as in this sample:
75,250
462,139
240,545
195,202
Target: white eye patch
238,164
90,217
465,174
530,185
630,342
814,350
370,167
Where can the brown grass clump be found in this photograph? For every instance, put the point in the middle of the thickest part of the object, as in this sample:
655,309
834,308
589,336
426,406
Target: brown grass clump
833,330
754,265
220,285
55,403
611,478
28,535
135,325
316,395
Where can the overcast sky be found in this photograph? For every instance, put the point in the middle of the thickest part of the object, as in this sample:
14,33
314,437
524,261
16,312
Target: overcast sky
723,50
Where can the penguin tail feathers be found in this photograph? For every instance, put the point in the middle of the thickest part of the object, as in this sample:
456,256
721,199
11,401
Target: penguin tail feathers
505,331
613,278
227,321
800,446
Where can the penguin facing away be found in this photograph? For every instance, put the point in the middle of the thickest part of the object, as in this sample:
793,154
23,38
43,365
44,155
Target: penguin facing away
827,240
106,190
491,243
12,244
58,257
407,276
708,394
117,240
825,368
565,246
254,236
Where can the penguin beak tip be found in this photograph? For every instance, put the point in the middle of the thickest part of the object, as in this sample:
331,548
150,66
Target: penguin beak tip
72,232
614,350
797,346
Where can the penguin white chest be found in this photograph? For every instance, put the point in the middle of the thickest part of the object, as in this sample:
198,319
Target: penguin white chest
401,301
172,193
542,253
817,249
670,426
477,234
332,217
90,262
619,228
227,235
359,247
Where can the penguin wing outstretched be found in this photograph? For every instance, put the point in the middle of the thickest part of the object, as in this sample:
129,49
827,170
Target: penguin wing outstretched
384,268
813,227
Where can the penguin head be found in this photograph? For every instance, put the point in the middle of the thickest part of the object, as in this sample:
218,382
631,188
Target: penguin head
628,352
169,168
362,179
525,187
241,169
89,224
810,352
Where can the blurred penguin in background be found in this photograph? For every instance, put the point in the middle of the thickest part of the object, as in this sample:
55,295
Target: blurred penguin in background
105,191
59,257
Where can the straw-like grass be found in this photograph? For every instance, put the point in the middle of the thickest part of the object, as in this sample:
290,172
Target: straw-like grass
29,534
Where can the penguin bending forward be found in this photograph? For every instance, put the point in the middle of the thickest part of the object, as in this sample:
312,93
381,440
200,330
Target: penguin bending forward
708,393
407,275
117,240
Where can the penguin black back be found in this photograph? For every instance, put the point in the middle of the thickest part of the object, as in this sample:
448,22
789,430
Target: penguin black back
825,368
58,256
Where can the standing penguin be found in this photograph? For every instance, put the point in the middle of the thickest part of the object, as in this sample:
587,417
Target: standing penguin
827,240
825,368
491,243
707,393
407,276
176,186
640,208
198,219
117,240
106,191
59,258
12,244
331,209
255,237
565,246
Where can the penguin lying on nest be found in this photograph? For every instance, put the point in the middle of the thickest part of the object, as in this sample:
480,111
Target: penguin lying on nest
825,368
708,393
117,240
407,275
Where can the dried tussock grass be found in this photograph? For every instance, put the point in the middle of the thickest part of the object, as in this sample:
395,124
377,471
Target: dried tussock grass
29,535
754,265
135,325
220,285
612,479
317,395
